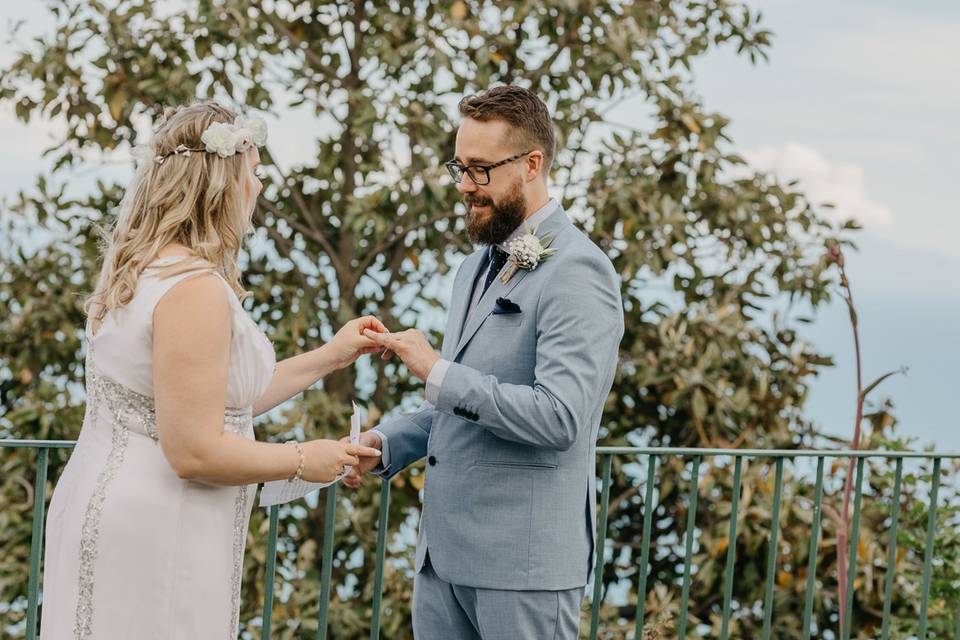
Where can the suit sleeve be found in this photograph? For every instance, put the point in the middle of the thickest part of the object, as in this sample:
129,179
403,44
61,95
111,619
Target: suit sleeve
407,435
579,328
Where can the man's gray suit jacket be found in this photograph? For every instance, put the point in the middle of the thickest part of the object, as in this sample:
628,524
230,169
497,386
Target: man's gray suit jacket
509,496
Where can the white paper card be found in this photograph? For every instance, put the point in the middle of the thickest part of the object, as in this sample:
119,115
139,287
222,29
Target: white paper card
283,491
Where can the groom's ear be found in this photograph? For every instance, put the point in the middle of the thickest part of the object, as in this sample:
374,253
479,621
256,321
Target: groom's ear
535,165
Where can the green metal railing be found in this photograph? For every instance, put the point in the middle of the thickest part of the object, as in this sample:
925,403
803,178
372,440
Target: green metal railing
654,457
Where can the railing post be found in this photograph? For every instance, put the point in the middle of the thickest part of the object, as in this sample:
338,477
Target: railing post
731,547
854,548
812,553
36,541
329,520
648,508
772,556
601,538
688,556
891,551
928,552
956,632
270,572
380,558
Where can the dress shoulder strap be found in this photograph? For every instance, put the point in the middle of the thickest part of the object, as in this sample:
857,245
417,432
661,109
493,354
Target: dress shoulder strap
122,346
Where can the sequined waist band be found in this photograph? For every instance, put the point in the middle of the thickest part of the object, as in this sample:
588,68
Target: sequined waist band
137,412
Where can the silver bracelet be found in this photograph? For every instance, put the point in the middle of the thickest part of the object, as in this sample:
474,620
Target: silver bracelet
299,473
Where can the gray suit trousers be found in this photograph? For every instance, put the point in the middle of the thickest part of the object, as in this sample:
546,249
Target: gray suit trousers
445,611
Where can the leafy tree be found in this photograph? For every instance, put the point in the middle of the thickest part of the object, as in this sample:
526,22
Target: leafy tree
706,248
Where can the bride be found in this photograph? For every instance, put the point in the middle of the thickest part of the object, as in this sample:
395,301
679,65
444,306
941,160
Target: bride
147,524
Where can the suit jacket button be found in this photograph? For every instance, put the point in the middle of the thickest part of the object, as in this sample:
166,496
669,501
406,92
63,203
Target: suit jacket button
432,461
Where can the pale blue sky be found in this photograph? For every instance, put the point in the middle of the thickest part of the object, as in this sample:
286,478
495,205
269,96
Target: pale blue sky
858,101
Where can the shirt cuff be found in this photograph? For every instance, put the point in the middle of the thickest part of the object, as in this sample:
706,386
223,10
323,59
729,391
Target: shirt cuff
384,463
435,380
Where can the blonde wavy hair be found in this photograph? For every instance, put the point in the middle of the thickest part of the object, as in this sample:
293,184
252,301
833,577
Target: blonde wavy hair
195,200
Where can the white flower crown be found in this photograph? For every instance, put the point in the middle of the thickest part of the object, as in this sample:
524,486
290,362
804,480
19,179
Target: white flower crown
225,139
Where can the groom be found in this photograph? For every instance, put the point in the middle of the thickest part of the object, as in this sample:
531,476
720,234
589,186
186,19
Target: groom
514,399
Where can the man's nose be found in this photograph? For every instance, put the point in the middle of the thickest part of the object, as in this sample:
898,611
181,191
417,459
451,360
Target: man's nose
466,184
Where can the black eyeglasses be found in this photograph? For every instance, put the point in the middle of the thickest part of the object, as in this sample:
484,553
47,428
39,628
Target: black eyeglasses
479,173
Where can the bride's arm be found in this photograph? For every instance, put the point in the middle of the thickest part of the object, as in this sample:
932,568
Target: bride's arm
301,372
191,350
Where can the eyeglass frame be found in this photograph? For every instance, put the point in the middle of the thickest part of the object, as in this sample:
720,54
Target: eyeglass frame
465,169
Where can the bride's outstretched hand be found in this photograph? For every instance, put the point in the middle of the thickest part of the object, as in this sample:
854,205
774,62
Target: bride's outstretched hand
350,342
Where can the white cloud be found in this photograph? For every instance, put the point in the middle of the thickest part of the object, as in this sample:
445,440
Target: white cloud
822,180
872,90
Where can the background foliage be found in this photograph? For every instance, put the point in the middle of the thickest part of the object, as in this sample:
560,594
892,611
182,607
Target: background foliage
718,267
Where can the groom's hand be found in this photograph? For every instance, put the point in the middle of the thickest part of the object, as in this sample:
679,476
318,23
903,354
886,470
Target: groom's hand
412,347
355,478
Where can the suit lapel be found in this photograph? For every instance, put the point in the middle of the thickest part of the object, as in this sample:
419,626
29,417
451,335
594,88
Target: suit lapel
555,224
486,306
462,295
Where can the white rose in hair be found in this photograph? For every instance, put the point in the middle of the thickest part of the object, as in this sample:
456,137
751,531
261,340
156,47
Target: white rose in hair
257,127
244,140
221,138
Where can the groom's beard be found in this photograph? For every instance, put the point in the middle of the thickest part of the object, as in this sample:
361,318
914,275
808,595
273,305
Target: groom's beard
495,225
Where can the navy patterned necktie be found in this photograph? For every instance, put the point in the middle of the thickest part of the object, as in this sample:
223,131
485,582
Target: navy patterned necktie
498,258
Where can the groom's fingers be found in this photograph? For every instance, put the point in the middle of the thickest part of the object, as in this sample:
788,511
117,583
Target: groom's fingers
379,338
389,340
375,346
368,322
353,479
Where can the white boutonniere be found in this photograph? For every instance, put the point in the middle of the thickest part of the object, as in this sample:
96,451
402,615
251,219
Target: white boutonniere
526,252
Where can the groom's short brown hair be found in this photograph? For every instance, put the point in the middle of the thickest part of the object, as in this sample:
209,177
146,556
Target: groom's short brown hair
520,108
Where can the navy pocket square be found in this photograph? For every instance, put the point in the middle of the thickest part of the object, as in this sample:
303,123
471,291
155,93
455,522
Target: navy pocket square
505,306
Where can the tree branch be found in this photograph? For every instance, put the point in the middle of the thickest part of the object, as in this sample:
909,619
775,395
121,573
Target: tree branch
399,235
308,52
313,233
285,247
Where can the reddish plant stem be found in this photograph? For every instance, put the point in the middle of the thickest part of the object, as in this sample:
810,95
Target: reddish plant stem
844,523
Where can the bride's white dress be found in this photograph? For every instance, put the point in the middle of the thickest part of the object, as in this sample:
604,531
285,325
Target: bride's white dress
133,552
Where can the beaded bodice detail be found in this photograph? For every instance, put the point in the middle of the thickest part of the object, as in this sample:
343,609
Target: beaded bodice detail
137,413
